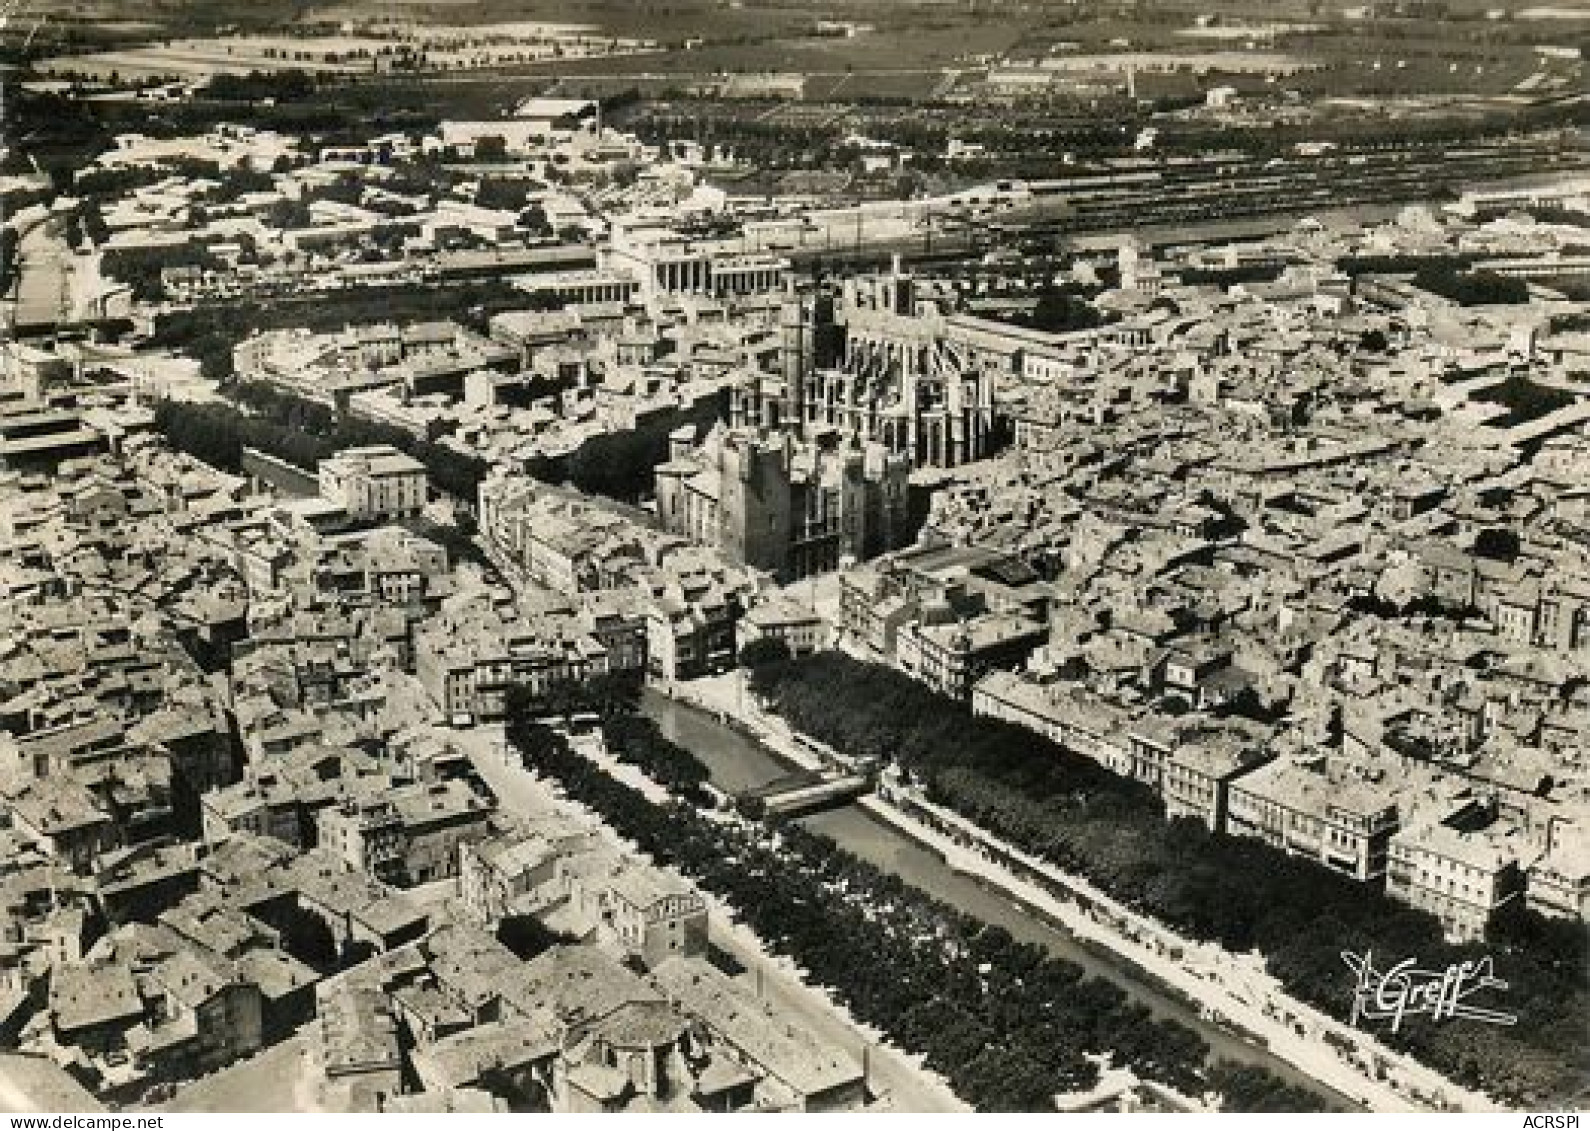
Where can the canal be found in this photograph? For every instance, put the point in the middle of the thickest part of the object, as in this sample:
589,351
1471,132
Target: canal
738,763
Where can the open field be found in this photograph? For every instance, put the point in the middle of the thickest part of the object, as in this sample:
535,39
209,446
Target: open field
180,60
675,20
1554,12
897,50
672,21
918,50
364,50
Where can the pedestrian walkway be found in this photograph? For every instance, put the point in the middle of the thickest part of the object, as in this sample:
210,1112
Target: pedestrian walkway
1235,988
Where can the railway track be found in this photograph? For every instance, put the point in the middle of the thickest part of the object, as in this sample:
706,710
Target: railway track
1220,190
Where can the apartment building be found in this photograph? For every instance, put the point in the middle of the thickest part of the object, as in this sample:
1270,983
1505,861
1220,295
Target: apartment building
376,482
1334,818
1461,877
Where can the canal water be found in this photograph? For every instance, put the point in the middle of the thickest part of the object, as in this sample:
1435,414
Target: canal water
738,763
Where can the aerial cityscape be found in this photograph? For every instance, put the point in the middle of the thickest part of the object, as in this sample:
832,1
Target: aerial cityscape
794,556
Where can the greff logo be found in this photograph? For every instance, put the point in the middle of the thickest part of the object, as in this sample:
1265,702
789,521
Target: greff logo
1405,990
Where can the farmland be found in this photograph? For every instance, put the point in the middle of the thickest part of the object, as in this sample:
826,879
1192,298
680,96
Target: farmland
373,49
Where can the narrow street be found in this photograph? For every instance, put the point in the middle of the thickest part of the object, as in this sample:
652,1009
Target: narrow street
44,276
53,282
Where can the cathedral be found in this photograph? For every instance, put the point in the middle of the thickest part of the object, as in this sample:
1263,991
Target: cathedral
873,361
790,506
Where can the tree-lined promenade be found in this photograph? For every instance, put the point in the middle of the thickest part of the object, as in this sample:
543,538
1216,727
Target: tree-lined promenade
1008,1025
1239,893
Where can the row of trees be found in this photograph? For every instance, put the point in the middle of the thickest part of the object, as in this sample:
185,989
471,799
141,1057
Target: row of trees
1006,1023
619,465
764,140
1472,288
290,85
607,696
1231,276
217,433
622,465
1240,893
635,740
211,330
472,303
302,433
111,182
141,267
452,472
1401,264
1247,1088
87,224
1024,140
10,243
1060,310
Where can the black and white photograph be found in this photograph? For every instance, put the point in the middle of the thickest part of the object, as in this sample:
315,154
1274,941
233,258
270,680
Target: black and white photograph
944,557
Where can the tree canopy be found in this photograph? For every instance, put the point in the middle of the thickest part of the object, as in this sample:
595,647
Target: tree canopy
1007,1023
1241,893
